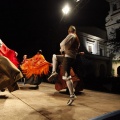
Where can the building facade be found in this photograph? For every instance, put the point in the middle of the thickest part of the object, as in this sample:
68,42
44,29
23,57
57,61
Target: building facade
96,52
113,31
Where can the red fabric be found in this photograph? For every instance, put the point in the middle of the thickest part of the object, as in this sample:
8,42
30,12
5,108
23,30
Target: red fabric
4,49
60,83
9,53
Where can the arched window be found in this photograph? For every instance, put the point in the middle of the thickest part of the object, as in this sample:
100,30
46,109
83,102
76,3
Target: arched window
114,7
118,71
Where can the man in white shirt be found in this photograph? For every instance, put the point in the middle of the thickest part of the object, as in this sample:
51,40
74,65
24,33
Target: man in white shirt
69,48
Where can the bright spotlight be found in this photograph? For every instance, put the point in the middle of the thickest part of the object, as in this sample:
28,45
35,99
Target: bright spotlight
77,0
66,9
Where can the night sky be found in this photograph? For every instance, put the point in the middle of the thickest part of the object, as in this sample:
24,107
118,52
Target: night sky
29,25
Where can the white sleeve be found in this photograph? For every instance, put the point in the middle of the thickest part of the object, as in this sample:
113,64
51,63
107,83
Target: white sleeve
0,42
66,40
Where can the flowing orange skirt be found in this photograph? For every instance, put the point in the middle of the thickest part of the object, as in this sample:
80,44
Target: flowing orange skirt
37,65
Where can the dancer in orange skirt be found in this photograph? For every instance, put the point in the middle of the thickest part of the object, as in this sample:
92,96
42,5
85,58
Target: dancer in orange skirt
35,68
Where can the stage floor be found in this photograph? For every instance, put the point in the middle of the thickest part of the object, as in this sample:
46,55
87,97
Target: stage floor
46,103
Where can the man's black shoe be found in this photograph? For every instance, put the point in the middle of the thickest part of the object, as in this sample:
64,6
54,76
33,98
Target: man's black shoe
34,88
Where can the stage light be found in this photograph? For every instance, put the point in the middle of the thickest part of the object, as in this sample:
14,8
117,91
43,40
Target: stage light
66,9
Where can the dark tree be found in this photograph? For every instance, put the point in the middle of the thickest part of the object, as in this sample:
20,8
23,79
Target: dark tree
115,41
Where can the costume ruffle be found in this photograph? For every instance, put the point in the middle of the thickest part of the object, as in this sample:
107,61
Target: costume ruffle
37,65
9,74
9,53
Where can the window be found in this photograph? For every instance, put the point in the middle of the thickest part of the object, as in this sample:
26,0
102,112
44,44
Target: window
101,51
90,49
114,7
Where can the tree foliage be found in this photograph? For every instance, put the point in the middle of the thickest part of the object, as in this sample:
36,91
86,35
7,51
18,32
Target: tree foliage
114,41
